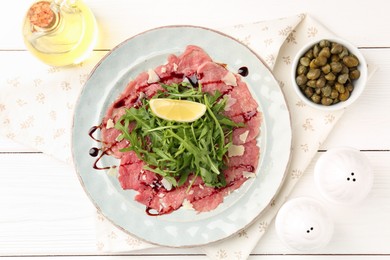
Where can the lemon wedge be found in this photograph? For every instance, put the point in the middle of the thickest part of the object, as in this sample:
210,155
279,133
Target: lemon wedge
177,110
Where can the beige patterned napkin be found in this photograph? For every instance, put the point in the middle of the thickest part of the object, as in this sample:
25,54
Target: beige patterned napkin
276,42
36,109
36,101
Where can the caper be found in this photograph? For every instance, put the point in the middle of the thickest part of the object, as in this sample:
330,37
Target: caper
336,66
334,94
320,83
326,69
320,61
326,101
301,80
336,48
330,76
313,74
302,70
344,53
354,74
340,88
350,61
349,86
324,43
316,98
313,64
334,57
311,83
342,78
325,52
344,70
344,96
331,83
305,61
309,92
326,91
309,54
318,91
316,50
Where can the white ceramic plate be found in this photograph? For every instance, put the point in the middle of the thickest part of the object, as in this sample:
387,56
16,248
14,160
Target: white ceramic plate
183,227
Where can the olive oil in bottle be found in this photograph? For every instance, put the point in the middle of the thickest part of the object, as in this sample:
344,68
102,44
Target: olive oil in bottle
60,32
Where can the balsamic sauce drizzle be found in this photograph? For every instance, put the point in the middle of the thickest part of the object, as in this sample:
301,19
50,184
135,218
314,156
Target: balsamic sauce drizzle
194,81
101,168
92,130
94,152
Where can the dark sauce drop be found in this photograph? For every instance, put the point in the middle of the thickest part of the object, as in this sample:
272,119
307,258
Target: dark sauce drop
93,152
243,71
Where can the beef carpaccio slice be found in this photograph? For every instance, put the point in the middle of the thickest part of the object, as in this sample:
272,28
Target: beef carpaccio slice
195,65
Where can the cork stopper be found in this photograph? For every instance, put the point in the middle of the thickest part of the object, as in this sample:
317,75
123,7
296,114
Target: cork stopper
41,15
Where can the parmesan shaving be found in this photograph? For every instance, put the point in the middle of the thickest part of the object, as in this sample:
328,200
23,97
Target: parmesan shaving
187,205
229,79
249,174
186,80
229,102
110,124
244,136
153,77
167,185
162,204
236,150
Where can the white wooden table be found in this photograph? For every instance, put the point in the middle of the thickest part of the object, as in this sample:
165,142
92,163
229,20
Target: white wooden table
45,212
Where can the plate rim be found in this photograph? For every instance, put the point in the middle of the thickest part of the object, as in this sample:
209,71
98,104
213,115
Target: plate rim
78,101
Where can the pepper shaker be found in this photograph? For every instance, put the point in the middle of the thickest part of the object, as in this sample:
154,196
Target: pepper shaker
343,176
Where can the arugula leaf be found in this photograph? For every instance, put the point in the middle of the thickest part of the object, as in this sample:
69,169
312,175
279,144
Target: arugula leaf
178,150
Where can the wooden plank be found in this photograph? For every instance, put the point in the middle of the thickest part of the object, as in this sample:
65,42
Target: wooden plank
44,210
193,257
43,207
8,145
366,124
359,229
121,19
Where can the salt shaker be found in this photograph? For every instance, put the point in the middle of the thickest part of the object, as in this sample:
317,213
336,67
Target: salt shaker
343,176
303,224
60,32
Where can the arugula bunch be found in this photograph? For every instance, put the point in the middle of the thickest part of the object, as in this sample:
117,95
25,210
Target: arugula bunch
175,150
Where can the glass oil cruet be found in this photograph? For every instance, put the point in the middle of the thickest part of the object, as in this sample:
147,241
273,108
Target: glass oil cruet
60,32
